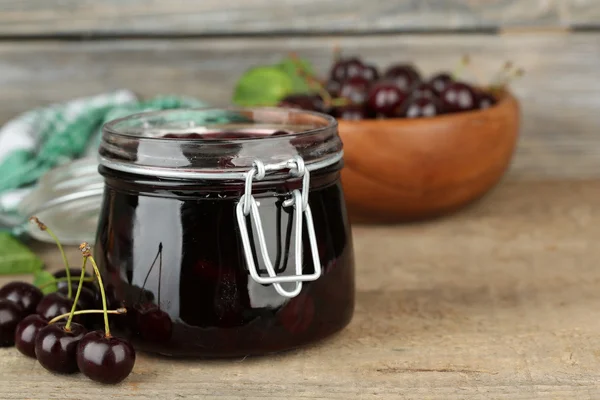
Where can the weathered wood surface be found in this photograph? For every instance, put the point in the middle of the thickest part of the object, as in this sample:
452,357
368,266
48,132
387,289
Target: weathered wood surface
500,301
263,16
559,93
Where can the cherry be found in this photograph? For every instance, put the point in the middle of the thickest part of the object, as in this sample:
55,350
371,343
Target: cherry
384,97
420,106
333,88
351,112
10,316
347,68
370,73
355,89
26,333
405,75
311,102
105,359
423,89
56,348
74,273
100,356
87,298
440,82
485,100
458,96
54,304
154,324
23,294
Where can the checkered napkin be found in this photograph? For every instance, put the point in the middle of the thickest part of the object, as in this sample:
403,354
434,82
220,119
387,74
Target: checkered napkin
38,140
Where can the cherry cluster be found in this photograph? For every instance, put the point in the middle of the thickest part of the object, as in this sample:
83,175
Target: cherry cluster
356,90
33,323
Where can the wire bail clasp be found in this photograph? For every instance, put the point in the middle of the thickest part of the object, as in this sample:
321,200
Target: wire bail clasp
248,206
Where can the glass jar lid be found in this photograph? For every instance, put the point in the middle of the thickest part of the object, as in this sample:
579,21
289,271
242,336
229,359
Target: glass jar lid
218,143
66,198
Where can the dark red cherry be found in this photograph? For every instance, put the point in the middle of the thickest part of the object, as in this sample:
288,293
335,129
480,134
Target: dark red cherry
458,96
104,359
56,349
311,102
346,68
423,90
370,73
485,100
26,333
10,316
54,304
352,112
333,87
384,97
154,324
419,107
88,299
75,275
23,294
440,82
355,89
405,76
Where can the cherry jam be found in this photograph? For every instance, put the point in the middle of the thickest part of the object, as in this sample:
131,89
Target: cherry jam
169,243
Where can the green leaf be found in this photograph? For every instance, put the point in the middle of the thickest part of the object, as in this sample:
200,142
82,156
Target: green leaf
290,67
262,86
44,278
16,258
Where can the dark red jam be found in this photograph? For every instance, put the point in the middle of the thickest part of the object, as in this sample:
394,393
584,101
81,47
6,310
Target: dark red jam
171,252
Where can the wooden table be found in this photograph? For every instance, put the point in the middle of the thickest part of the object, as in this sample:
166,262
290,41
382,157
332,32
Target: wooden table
499,301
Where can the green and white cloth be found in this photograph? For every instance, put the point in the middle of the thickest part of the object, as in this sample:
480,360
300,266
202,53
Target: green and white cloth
39,140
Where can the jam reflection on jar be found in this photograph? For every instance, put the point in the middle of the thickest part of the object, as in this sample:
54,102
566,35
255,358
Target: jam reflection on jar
172,254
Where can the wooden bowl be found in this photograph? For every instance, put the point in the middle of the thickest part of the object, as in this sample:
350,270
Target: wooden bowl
411,169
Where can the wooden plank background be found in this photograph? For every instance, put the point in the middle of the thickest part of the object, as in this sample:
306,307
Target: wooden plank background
559,94
259,16
200,48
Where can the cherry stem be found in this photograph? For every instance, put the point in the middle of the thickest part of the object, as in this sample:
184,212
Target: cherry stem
68,325
340,102
118,311
337,52
85,249
464,61
501,75
478,75
159,273
314,83
158,253
43,227
311,80
43,285
499,86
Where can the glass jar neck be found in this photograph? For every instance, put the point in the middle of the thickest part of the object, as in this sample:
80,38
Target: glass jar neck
219,144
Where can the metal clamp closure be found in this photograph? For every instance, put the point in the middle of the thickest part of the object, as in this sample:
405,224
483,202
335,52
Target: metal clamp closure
248,206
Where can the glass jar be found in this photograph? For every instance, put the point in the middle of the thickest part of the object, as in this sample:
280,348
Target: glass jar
224,231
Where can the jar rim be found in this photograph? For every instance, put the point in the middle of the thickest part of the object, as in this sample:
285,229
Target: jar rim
136,143
110,127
